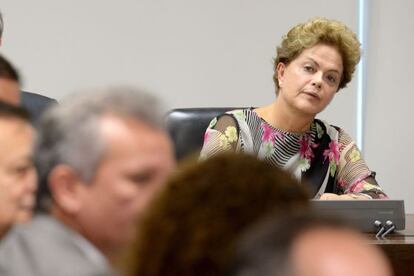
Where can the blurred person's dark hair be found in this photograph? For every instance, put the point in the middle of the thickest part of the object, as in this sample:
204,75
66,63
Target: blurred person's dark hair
7,71
192,225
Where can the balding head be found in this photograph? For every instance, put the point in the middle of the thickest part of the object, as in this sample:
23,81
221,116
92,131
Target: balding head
307,245
327,251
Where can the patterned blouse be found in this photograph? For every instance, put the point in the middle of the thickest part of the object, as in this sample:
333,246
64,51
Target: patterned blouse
325,156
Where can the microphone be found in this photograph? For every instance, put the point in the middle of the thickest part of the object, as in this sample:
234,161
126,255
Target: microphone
379,226
391,227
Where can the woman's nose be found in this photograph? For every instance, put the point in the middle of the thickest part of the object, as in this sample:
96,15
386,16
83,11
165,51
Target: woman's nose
317,81
316,84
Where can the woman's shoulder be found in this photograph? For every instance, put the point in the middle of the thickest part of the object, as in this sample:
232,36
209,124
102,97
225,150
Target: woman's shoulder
239,111
333,131
239,114
229,118
327,125
239,118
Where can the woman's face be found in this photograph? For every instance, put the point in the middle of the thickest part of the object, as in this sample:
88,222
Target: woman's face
309,82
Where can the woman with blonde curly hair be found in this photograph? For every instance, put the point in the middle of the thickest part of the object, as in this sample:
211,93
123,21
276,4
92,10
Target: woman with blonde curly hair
314,61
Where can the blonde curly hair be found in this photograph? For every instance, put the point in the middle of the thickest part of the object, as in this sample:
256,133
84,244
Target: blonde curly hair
320,31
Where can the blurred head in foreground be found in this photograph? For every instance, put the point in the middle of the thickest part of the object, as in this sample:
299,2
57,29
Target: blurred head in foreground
18,178
102,155
306,245
192,224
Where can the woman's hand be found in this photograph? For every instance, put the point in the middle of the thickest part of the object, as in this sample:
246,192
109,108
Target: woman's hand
331,196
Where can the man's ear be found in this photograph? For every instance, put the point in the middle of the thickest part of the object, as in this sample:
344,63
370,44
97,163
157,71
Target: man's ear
65,187
280,70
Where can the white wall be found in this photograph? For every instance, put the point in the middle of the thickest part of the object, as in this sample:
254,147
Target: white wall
210,53
389,132
191,52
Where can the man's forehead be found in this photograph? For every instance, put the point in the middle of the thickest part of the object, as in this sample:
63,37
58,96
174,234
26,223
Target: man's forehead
13,123
17,136
126,134
114,123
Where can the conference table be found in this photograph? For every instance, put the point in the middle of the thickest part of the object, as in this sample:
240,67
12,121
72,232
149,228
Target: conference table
399,247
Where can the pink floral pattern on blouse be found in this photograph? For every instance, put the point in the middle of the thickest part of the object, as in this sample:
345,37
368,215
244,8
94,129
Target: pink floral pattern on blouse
256,136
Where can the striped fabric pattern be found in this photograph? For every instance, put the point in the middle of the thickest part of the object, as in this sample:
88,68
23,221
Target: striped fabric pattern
286,144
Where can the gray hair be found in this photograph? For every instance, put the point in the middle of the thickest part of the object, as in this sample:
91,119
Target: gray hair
69,133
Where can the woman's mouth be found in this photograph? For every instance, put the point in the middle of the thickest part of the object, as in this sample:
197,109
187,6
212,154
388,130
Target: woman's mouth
312,94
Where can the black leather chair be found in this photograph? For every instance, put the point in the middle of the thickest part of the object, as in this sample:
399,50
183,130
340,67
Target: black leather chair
36,104
187,126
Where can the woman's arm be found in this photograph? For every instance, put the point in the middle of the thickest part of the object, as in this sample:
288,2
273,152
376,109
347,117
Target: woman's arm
354,179
221,135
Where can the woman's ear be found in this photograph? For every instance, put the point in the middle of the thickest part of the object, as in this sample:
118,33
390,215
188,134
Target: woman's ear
280,70
66,188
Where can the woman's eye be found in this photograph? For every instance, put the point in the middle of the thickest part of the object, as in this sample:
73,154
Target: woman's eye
331,79
309,69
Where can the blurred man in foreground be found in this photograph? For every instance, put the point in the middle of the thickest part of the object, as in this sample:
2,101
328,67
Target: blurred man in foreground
101,156
17,174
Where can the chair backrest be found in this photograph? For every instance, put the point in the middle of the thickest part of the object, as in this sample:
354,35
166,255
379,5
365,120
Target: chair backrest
187,126
36,104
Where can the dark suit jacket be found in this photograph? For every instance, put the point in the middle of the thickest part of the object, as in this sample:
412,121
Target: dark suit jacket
36,104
